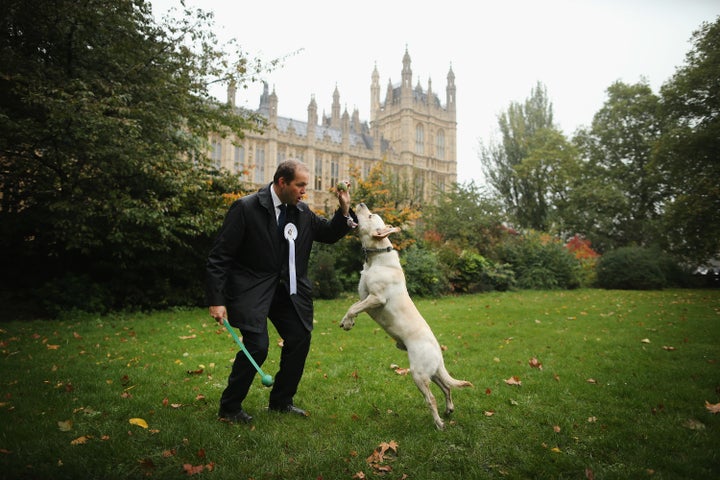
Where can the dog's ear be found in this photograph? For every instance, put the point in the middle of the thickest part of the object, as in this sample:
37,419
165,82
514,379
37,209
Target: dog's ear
384,232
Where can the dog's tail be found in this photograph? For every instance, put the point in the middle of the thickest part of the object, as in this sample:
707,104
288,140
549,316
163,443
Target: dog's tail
451,382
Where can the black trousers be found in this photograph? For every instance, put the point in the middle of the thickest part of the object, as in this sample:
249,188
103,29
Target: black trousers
296,345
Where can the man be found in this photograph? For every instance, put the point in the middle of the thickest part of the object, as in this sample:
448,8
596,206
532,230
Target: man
252,276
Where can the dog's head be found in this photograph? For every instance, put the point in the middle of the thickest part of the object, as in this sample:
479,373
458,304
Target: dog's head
371,228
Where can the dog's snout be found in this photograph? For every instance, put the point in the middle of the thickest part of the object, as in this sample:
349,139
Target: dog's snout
362,205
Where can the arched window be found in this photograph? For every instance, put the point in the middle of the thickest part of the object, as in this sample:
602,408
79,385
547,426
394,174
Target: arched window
440,145
239,158
318,173
419,139
259,165
334,170
217,152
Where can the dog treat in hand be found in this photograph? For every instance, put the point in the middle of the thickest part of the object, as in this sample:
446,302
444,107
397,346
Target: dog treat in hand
341,187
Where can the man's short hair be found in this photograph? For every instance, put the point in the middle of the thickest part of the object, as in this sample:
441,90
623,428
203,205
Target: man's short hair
287,170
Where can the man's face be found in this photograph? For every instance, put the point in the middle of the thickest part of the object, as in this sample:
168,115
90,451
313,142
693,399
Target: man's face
292,192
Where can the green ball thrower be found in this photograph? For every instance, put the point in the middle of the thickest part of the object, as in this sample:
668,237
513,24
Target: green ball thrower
266,379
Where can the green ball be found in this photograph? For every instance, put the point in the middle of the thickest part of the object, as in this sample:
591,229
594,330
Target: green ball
341,187
267,380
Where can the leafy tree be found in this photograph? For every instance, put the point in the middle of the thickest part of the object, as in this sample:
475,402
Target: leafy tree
529,170
105,118
386,196
551,167
466,216
690,148
618,200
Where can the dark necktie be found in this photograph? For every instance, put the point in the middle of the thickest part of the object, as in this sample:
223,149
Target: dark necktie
281,219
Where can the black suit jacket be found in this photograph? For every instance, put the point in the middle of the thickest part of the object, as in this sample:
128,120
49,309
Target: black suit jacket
249,258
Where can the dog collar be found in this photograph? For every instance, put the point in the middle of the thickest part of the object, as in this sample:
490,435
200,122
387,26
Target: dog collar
367,251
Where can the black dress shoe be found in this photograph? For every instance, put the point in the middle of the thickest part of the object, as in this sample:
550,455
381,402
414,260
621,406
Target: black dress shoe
241,416
290,409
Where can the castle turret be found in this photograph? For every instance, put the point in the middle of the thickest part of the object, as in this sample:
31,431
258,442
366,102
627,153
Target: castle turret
273,104
264,107
335,114
312,119
406,72
345,129
355,122
450,91
406,88
374,93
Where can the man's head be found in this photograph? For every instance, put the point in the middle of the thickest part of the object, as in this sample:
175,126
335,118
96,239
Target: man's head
290,180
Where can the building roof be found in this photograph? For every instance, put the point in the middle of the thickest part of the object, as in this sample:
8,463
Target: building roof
360,140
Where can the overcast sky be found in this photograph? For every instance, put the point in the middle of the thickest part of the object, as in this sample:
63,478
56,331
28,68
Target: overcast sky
498,51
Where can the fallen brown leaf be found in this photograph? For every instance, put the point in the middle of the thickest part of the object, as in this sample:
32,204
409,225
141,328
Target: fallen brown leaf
80,440
712,408
193,469
535,363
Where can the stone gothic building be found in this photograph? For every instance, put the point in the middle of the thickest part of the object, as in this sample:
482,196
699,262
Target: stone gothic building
411,131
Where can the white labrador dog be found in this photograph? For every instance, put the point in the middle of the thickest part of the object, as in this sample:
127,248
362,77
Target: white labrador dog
384,296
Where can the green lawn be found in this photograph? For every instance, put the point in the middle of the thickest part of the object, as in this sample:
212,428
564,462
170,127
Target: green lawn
621,394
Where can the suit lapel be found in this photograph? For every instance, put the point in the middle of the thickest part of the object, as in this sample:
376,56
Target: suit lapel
265,199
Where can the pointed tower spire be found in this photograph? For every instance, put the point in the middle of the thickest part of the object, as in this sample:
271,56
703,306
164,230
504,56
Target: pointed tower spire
335,113
374,93
273,104
406,71
450,91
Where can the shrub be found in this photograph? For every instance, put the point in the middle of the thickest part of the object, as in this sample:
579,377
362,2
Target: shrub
587,259
322,274
475,273
540,262
631,268
73,293
424,274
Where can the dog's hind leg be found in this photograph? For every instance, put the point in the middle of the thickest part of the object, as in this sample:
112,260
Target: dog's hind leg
423,384
449,406
443,380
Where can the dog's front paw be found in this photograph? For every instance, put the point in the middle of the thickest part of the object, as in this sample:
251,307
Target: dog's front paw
347,322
